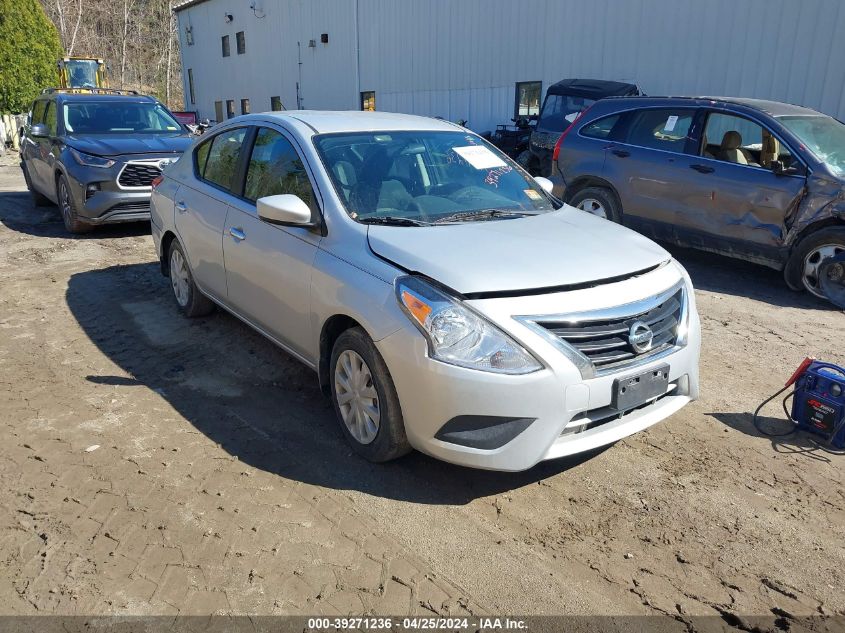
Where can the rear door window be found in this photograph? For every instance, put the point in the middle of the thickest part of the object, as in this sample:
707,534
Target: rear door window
221,163
659,128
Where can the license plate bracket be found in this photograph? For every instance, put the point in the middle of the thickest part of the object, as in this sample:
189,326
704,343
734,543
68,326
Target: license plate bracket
632,391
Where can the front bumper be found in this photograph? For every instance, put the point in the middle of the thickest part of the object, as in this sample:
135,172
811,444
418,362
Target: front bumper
567,413
110,202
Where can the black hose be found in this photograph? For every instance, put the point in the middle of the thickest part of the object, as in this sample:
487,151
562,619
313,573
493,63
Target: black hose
788,414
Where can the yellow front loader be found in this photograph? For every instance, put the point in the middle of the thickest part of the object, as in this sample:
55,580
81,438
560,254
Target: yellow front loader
82,73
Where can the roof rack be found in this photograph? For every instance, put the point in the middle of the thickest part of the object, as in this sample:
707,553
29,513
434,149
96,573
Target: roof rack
90,91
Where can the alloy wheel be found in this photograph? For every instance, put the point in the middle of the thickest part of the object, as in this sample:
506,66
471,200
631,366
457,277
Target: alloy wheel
357,398
64,202
591,205
812,263
179,278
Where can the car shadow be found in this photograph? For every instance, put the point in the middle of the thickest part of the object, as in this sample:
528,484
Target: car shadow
250,397
727,275
18,213
779,431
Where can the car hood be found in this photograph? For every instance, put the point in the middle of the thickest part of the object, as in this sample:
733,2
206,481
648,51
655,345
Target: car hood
559,249
116,145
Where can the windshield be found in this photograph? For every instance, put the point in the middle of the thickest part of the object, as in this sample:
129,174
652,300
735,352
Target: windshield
823,136
425,176
92,117
561,110
82,73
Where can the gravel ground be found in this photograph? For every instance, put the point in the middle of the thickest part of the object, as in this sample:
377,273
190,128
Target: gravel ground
221,483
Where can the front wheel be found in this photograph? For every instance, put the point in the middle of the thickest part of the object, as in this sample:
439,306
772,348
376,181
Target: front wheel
68,208
802,269
365,399
598,201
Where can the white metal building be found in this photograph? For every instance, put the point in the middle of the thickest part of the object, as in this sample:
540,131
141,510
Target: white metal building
467,59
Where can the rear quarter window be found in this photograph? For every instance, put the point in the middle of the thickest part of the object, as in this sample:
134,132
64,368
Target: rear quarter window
601,128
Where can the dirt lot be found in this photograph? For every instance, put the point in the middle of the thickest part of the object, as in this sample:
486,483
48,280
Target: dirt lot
221,483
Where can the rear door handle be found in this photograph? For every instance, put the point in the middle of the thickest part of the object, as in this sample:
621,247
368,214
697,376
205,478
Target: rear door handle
237,234
621,153
704,169
181,207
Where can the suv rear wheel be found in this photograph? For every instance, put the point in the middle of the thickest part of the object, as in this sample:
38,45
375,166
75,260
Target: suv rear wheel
802,269
599,201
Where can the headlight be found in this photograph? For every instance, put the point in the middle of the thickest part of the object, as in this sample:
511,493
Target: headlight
89,160
457,335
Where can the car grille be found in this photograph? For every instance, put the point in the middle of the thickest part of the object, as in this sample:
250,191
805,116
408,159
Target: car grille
605,341
138,175
131,206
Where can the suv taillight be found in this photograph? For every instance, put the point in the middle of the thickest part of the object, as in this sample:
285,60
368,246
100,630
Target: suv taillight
556,153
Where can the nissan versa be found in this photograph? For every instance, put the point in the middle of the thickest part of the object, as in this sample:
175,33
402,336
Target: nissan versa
95,153
446,301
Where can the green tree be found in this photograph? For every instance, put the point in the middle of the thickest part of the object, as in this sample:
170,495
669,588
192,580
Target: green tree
29,49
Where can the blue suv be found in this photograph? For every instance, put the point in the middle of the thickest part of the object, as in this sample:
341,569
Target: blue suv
759,180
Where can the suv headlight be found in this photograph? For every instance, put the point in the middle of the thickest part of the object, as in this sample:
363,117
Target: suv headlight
89,160
458,335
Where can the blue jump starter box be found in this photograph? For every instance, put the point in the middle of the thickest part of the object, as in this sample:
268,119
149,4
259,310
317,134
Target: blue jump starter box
818,406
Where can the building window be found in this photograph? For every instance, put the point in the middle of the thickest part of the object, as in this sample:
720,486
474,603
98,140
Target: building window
368,101
230,108
191,85
276,104
189,35
218,110
225,44
240,42
244,106
528,98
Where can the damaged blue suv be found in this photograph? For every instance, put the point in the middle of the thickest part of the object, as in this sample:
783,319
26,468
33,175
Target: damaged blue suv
95,153
759,180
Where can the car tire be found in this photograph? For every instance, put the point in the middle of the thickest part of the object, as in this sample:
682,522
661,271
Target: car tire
188,297
598,201
38,199
802,267
67,207
361,388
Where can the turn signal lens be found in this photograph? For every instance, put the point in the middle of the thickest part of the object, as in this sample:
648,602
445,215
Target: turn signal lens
418,309
157,181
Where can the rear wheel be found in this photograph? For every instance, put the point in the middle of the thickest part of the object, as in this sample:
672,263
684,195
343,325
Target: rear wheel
38,199
189,298
365,400
598,201
68,209
802,269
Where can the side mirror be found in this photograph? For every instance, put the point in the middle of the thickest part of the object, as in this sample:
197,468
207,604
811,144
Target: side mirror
39,130
544,183
285,209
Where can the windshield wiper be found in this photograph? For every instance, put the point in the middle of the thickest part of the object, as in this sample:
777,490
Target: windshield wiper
484,213
390,220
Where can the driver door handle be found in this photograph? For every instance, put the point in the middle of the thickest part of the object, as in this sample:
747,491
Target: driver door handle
181,207
621,153
704,169
237,234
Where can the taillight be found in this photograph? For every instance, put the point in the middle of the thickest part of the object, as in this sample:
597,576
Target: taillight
157,181
556,153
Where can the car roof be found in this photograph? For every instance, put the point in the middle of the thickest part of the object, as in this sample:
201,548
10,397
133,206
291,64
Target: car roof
771,108
104,97
329,121
591,88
